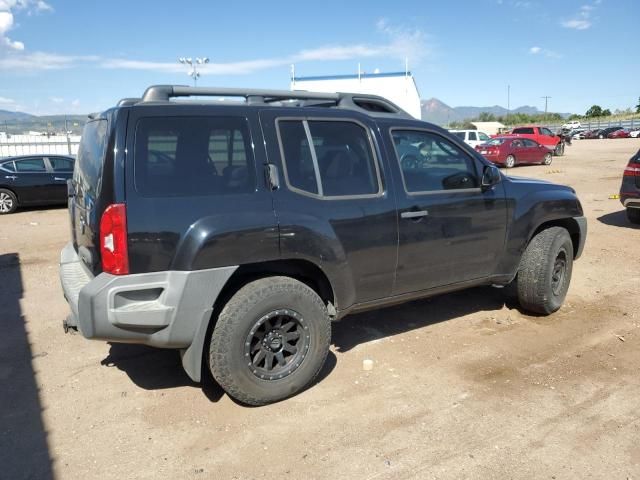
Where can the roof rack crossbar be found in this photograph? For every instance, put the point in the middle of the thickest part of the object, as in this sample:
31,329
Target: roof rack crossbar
371,104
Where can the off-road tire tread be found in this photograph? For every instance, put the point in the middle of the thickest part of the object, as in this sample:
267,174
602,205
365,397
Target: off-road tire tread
237,307
533,291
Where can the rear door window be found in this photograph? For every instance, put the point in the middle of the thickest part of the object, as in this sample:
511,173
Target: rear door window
329,158
193,156
61,164
31,165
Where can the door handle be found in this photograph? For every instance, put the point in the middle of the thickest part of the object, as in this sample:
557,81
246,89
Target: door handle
12,177
59,179
414,214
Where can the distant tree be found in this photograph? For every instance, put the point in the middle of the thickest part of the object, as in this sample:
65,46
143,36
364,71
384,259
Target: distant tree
486,117
638,106
574,116
594,111
606,112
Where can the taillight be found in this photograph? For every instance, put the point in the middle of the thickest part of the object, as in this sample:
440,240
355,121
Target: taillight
113,240
632,170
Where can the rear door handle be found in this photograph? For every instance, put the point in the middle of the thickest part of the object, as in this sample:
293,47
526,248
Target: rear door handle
12,177
414,214
59,179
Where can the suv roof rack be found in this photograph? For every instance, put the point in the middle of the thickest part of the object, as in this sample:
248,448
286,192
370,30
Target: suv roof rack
370,104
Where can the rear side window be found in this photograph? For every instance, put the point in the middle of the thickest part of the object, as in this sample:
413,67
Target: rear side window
193,156
8,166
523,130
91,153
30,165
329,158
60,164
472,136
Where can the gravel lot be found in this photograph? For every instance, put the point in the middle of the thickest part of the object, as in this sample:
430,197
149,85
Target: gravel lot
463,385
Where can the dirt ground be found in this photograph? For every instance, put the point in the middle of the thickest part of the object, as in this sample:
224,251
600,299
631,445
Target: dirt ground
463,386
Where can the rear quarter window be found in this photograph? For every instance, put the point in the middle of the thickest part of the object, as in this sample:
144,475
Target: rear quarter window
90,158
179,156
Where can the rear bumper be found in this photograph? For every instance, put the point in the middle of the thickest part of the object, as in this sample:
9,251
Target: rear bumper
162,309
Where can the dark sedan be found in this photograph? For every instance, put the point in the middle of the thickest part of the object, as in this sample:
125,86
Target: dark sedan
34,180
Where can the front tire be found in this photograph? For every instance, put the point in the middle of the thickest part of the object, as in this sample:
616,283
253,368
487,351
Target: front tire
270,341
548,158
633,215
545,271
510,161
8,202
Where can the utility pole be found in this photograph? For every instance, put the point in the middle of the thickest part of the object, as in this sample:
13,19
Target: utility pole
194,66
546,100
508,101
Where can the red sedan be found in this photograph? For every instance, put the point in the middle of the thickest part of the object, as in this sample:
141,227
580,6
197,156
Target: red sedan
510,151
622,133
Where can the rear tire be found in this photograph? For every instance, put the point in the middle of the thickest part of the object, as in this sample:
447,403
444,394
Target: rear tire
8,202
559,150
548,158
633,215
270,341
510,161
545,271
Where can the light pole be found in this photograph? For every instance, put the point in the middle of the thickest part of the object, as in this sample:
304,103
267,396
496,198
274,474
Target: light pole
193,63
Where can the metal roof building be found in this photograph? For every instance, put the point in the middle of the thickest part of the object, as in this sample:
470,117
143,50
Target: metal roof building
398,87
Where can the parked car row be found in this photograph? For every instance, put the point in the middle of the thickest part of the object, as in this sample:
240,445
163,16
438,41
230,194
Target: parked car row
601,133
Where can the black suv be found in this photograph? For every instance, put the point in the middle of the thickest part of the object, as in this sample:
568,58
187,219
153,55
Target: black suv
236,231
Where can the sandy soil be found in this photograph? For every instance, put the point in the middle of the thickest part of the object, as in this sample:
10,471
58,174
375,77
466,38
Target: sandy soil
463,385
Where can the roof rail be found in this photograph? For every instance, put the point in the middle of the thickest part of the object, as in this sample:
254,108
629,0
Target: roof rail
369,104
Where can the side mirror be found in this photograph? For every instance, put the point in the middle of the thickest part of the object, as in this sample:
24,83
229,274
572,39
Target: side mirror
490,176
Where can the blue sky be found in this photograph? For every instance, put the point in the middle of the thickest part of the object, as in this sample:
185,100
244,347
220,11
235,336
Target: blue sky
60,56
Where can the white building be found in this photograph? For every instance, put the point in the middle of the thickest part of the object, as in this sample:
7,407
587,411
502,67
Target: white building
398,87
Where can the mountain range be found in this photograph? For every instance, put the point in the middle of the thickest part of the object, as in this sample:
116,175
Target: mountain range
438,112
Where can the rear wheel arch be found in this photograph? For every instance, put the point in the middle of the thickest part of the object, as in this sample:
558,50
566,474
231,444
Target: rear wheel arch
305,271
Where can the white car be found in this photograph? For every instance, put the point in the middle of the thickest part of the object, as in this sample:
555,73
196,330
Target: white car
572,125
634,133
471,137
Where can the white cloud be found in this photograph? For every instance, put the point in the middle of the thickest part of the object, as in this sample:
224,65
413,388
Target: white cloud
75,103
39,61
56,99
402,43
577,24
582,19
5,100
7,20
545,52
